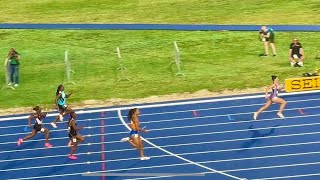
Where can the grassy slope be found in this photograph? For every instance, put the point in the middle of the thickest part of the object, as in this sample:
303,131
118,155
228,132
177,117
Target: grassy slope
211,60
162,11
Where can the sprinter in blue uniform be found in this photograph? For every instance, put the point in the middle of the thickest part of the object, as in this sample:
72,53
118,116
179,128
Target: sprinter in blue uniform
134,138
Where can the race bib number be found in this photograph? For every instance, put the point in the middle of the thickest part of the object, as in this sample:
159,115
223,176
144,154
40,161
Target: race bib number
74,140
42,129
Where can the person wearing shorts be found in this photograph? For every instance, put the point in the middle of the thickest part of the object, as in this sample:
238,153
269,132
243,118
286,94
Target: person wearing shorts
268,38
134,137
272,98
296,53
38,127
60,102
74,137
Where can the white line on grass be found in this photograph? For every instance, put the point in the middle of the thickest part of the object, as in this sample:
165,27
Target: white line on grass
175,155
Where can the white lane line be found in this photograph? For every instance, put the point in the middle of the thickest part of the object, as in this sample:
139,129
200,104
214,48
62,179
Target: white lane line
72,174
224,107
175,155
204,109
219,132
191,118
93,162
58,130
173,145
237,130
272,167
289,177
237,122
170,104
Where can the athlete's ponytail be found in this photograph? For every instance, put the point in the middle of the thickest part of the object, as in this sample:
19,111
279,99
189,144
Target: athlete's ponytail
36,108
130,113
273,77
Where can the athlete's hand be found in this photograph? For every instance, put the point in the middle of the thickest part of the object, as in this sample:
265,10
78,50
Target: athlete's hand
81,127
29,125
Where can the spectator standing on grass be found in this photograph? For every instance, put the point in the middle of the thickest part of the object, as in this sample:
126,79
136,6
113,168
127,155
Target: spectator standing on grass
296,53
267,37
13,58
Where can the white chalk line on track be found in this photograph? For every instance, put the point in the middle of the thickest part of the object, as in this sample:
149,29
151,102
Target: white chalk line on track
168,155
189,144
168,120
289,177
219,132
224,107
175,155
204,109
180,127
170,104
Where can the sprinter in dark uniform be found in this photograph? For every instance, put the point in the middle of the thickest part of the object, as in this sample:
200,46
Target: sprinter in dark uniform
75,138
38,127
272,98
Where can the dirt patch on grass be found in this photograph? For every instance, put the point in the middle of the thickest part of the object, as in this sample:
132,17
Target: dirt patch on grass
151,99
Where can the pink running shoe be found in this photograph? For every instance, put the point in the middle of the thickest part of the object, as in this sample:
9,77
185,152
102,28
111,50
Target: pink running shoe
72,157
20,141
47,145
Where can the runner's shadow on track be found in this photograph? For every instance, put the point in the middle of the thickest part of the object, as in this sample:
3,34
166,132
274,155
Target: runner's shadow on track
257,134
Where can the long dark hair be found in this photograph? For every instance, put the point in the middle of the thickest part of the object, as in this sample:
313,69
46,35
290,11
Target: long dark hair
58,89
131,113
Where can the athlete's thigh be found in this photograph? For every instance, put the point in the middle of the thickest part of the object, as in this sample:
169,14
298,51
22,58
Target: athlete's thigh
279,100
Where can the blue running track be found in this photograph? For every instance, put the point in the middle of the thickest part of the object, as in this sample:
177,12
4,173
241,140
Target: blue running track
216,137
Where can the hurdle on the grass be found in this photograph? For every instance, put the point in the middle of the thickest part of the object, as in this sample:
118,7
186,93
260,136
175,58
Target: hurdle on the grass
121,67
7,76
177,59
68,69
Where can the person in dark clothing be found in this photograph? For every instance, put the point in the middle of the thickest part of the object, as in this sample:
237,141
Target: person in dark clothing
296,53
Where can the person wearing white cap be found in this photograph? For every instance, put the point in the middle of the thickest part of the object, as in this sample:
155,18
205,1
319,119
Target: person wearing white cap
296,53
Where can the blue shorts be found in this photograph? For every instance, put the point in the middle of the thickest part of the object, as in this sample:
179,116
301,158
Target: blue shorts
132,132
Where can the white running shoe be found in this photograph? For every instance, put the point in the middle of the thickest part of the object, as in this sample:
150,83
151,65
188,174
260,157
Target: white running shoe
255,115
53,125
280,115
144,158
16,85
125,139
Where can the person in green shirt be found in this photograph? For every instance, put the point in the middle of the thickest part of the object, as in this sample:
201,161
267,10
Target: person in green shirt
267,37
13,59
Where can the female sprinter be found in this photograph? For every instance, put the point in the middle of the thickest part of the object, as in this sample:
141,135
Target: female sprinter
60,103
272,98
38,116
135,139
75,138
